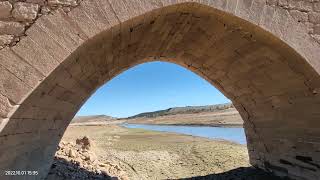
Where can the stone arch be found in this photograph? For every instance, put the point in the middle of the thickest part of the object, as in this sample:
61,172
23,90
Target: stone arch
254,53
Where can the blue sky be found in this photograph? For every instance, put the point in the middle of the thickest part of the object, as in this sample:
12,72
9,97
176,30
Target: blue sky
150,87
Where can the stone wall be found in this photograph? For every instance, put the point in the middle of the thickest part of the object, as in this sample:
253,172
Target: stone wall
306,12
16,16
256,53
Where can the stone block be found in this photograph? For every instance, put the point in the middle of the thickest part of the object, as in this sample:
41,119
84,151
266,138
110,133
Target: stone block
283,3
267,16
257,7
316,6
299,16
121,9
5,107
39,2
25,11
272,2
35,55
62,2
96,14
53,48
306,6
5,39
5,9
316,37
314,17
84,22
12,87
62,29
12,28
20,68
316,29
108,13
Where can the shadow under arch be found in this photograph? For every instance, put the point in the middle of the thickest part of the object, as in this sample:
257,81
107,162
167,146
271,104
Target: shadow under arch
271,85
63,169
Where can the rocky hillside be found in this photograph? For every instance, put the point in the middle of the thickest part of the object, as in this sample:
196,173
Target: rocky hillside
183,110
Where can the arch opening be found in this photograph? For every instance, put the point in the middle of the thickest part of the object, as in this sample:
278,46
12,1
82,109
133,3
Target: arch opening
274,89
157,86
150,87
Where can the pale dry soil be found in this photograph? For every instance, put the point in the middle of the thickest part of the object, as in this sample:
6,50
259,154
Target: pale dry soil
144,154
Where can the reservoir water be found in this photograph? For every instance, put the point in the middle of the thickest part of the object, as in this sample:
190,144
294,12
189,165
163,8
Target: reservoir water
227,133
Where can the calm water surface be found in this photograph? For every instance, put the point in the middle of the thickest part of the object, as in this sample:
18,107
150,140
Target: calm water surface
230,134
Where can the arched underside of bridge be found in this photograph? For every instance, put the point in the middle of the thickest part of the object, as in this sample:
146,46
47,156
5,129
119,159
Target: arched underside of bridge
255,54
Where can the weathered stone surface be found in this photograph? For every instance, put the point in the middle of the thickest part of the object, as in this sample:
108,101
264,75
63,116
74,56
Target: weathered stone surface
12,87
283,3
316,37
5,9
314,17
300,5
63,2
25,11
316,29
298,8
39,2
35,55
317,6
5,39
11,28
272,2
300,16
19,67
5,107
273,78
45,10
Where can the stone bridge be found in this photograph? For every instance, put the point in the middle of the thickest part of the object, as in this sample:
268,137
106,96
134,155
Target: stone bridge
264,55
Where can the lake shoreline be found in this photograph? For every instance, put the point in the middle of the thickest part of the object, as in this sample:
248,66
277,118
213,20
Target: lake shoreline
231,134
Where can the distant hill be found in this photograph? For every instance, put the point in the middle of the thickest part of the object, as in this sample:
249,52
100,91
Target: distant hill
211,115
183,110
94,118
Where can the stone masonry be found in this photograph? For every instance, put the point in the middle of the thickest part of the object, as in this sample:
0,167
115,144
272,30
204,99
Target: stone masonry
306,12
261,54
16,16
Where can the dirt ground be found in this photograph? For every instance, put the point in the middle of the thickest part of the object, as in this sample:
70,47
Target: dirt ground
143,154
